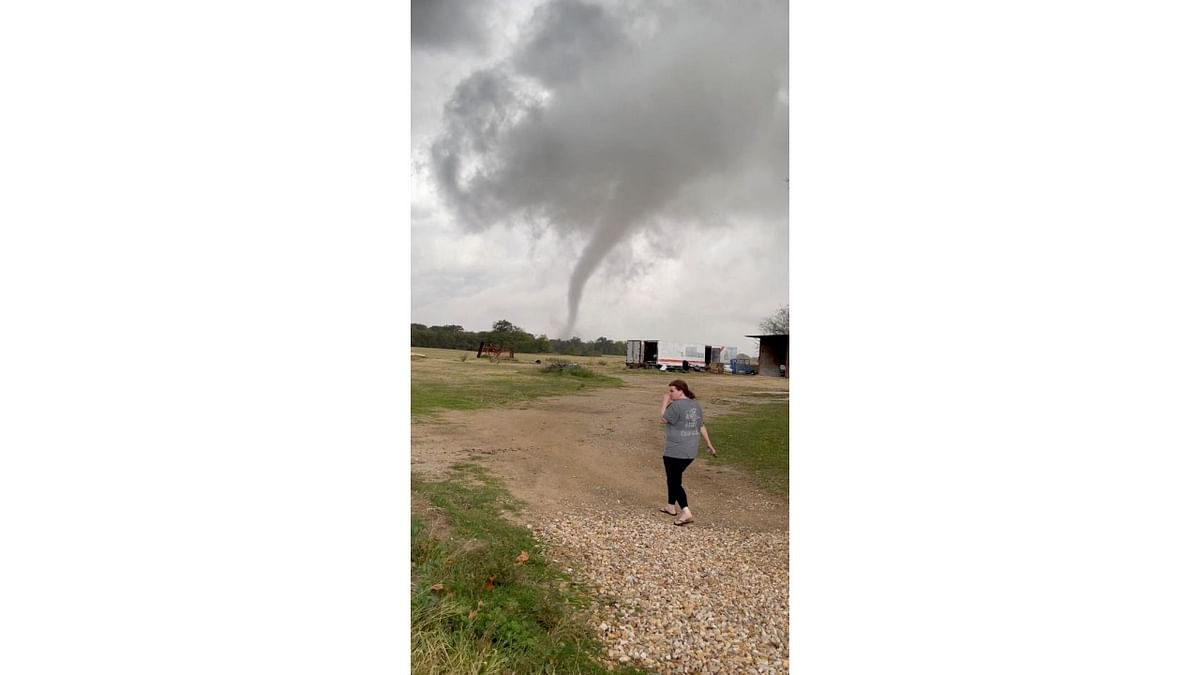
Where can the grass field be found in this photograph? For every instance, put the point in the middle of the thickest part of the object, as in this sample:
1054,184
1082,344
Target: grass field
422,354
474,608
756,440
444,379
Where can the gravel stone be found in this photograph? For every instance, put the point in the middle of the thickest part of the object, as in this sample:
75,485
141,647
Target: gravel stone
678,599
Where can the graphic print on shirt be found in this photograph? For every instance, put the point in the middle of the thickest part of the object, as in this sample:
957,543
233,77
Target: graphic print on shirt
690,423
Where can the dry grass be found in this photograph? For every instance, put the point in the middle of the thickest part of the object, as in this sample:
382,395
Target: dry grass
445,380
436,651
605,363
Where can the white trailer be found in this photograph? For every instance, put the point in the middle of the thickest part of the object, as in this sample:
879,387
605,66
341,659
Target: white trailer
635,354
662,354
680,355
641,353
719,356
725,356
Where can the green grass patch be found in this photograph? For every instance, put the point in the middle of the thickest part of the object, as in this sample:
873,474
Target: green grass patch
756,440
511,386
474,610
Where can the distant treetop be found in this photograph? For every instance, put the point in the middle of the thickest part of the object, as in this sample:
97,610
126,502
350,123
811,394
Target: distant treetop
777,323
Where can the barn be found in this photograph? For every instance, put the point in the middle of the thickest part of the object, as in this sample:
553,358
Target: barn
773,355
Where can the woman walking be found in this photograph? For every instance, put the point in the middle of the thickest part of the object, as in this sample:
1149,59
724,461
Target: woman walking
685,428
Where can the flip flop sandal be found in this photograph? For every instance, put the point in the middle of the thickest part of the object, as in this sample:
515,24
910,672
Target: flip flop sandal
689,521
669,513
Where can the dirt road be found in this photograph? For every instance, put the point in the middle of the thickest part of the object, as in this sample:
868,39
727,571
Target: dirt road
602,450
709,597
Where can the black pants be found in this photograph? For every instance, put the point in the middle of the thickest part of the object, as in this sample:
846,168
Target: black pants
675,467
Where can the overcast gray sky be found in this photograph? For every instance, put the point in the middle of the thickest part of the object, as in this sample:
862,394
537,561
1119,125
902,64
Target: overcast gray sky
597,167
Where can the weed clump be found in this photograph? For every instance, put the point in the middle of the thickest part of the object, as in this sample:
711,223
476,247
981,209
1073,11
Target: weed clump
560,367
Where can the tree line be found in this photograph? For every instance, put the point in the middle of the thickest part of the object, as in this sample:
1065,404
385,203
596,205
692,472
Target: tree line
505,334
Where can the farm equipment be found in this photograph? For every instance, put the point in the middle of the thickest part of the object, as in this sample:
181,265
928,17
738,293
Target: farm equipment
743,367
494,351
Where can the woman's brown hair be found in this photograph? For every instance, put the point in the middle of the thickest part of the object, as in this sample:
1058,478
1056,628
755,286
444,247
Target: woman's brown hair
682,386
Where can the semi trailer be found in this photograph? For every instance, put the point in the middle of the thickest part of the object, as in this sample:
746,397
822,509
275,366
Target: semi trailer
674,355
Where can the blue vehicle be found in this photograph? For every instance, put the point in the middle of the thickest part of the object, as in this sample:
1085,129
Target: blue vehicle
743,367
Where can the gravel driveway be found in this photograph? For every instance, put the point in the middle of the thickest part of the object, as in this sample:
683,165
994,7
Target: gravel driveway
694,599
710,597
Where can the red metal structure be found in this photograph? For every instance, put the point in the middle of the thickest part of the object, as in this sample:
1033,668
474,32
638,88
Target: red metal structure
494,351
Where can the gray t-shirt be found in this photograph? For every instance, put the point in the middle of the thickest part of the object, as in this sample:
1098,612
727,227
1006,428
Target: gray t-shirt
683,429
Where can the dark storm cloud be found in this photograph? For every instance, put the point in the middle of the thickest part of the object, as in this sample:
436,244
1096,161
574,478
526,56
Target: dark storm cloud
594,129
564,37
446,24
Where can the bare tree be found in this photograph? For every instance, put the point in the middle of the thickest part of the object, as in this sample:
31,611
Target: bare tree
777,323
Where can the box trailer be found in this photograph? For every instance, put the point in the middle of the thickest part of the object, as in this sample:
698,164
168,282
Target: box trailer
640,353
680,355
723,355
666,355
